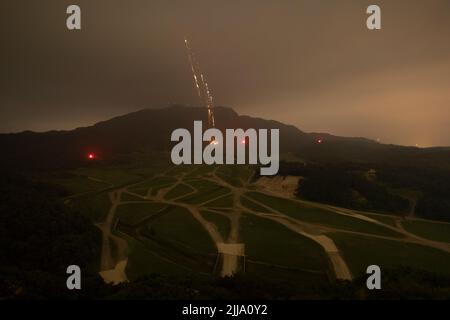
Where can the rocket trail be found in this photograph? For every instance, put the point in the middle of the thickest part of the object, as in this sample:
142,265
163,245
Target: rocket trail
201,85
194,74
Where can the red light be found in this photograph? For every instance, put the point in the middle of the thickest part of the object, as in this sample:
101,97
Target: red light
243,141
91,156
319,141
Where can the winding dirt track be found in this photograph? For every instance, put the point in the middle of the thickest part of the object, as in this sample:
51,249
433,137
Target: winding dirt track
112,270
231,249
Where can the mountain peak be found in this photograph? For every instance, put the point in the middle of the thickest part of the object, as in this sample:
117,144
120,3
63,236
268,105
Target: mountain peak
150,130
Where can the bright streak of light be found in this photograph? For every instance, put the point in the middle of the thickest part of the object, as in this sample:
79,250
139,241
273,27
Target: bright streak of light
201,85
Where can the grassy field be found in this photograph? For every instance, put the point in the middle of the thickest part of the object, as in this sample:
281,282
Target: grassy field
155,182
129,197
179,191
321,216
206,190
220,221
178,170
80,184
222,202
140,191
200,171
179,227
170,242
94,178
152,185
110,175
166,238
235,174
248,203
383,218
95,207
288,276
429,230
269,242
133,213
361,252
143,261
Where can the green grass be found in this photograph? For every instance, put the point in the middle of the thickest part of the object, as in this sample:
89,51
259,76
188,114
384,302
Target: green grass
360,252
273,243
230,175
430,230
386,219
178,170
200,171
156,189
129,197
146,171
180,228
110,175
140,191
321,216
291,277
133,213
253,205
234,173
222,202
160,245
142,261
95,207
206,190
234,181
80,184
155,182
222,222
200,197
201,185
178,191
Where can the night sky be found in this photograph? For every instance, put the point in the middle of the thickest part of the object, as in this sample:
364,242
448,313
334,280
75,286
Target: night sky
313,63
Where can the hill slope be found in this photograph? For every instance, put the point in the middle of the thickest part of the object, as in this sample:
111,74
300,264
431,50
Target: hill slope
150,129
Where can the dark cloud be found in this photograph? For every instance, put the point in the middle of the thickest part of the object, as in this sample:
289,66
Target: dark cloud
309,63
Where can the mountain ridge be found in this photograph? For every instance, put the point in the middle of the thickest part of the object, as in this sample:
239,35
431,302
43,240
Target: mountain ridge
150,129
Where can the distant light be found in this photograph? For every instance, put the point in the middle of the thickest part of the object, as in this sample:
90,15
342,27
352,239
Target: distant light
91,156
319,141
243,141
